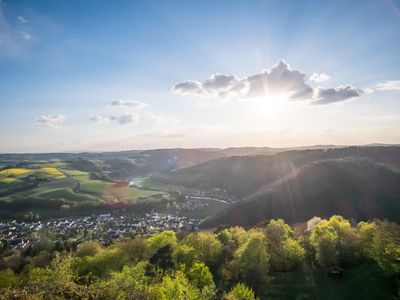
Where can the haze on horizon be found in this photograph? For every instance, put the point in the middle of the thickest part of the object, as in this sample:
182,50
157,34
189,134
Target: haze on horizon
98,76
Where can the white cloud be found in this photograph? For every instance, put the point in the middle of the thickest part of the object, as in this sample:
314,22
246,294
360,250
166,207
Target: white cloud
101,119
319,77
339,94
128,119
216,86
280,80
161,120
50,121
388,85
129,103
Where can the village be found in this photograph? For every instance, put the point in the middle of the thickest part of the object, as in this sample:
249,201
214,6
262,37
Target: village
102,228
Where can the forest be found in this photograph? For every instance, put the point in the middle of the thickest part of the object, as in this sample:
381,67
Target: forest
331,258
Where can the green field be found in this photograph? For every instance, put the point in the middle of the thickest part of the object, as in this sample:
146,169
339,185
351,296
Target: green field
61,182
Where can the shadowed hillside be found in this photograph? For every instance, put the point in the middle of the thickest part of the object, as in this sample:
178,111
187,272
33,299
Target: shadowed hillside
359,182
356,189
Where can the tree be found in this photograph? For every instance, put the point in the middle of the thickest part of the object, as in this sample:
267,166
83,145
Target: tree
185,255
135,250
173,288
207,247
241,292
366,232
163,258
285,252
8,279
101,264
131,283
88,248
251,263
386,247
56,281
335,241
161,239
201,277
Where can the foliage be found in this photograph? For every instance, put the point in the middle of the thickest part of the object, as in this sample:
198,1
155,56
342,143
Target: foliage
240,292
89,248
174,287
130,283
285,252
206,265
201,277
252,261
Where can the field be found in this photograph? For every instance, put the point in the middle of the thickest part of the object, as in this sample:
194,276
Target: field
57,180
43,172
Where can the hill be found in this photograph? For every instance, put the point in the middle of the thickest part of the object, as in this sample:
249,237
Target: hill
358,182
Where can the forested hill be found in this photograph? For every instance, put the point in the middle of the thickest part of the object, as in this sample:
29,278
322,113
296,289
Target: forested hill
358,182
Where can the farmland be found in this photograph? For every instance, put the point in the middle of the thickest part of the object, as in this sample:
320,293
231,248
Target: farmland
72,187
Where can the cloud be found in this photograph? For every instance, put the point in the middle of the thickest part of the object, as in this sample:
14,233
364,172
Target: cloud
280,80
26,35
128,119
339,94
319,77
101,119
387,85
129,103
22,19
216,86
161,120
50,121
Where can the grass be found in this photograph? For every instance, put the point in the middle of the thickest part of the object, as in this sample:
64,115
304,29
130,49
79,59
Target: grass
65,193
365,281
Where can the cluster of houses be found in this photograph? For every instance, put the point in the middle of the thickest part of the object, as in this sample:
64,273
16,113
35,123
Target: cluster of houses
193,204
217,194
100,228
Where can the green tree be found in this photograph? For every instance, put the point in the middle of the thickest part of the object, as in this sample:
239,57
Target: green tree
386,247
161,239
207,247
101,264
173,288
8,279
131,283
251,263
285,251
240,292
201,277
185,255
335,241
89,248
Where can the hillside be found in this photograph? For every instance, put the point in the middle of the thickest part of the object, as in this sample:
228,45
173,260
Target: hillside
359,182
356,189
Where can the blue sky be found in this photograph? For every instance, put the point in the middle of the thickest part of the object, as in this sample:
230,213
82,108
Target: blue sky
111,75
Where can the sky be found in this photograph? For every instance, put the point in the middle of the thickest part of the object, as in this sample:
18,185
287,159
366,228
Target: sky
119,75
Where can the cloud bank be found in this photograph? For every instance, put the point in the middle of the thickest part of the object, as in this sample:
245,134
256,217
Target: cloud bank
279,80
